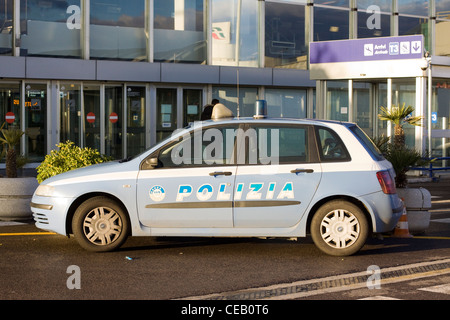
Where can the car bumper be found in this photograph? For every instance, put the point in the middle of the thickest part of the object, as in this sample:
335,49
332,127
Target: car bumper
50,213
385,210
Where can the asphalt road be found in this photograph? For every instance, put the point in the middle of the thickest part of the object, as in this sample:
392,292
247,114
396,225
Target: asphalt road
35,265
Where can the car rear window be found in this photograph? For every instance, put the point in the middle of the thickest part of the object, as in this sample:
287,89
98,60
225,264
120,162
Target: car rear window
368,144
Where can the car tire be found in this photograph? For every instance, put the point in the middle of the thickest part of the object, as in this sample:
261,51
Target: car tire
100,224
339,228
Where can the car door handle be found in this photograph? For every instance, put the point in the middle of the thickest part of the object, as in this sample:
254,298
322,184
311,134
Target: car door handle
220,173
302,170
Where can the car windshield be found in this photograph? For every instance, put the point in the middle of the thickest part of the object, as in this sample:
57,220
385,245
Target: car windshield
368,144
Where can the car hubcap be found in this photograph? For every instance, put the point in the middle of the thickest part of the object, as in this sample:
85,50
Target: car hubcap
340,229
102,226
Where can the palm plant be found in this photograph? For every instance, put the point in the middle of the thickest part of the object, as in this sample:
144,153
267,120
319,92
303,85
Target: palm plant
400,116
10,138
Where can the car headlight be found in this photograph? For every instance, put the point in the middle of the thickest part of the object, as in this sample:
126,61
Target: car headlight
45,190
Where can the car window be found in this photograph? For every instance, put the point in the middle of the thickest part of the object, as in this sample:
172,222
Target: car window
331,147
278,145
208,146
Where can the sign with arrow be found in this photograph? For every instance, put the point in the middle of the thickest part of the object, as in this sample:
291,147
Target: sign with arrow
370,49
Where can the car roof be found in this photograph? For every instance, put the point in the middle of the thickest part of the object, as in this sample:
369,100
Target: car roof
275,120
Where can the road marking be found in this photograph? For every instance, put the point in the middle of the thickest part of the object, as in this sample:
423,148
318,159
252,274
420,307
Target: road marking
379,298
299,289
444,220
443,288
27,234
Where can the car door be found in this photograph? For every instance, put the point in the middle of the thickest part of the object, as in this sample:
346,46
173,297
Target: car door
280,177
189,183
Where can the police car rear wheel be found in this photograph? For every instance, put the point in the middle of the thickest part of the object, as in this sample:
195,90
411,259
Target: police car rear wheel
100,224
339,228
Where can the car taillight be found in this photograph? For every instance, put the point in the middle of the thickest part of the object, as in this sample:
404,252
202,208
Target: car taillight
387,183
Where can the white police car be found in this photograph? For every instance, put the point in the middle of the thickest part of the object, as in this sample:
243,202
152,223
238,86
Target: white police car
233,177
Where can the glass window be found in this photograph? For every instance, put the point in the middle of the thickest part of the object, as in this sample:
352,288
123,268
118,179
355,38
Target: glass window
50,28
412,25
282,145
331,147
288,103
135,120
35,121
330,24
70,104
442,31
383,5
235,33
285,36
414,7
373,24
228,97
216,148
336,3
6,26
91,99
9,106
117,30
179,31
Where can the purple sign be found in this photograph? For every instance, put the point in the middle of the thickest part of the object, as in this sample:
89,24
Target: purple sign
370,49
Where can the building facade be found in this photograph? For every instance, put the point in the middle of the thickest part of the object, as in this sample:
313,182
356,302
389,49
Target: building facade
120,75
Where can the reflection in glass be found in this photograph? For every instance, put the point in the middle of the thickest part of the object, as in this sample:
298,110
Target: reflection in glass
285,36
330,24
50,28
287,103
9,105
414,7
235,33
442,46
117,30
91,98
6,26
179,31
166,112
373,26
192,105
135,120
70,104
228,97
114,121
337,101
35,121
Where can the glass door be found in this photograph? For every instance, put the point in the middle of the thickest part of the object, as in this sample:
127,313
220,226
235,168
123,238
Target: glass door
192,105
70,106
166,112
135,120
35,121
114,121
91,100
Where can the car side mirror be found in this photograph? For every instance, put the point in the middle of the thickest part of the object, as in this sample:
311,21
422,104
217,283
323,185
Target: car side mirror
150,163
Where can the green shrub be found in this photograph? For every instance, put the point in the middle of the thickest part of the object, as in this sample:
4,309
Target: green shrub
67,158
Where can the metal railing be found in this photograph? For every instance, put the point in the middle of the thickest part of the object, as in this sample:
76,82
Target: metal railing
430,168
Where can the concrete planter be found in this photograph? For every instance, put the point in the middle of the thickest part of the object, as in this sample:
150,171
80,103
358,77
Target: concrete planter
15,197
417,202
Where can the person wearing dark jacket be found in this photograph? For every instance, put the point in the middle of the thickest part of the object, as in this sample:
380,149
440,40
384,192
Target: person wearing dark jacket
207,110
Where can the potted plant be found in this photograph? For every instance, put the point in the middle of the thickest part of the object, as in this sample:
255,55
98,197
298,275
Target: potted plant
15,192
417,200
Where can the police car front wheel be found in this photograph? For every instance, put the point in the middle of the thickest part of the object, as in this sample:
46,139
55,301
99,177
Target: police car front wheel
100,224
339,228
